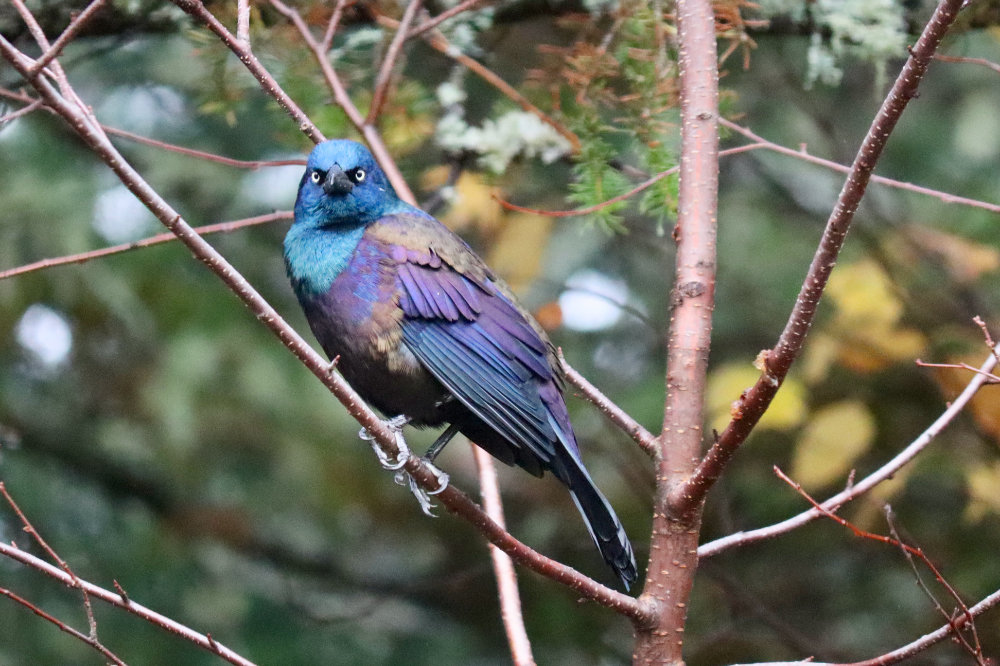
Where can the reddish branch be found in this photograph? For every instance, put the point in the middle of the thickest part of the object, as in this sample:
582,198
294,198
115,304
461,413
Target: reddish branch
430,24
972,61
384,77
201,154
438,42
33,104
30,529
84,257
453,499
242,50
122,601
859,488
673,548
615,414
646,184
80,636
688,497
67,35
881,180
503,567
343,100
963,620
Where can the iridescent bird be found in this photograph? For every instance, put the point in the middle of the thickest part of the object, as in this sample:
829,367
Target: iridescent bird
425,331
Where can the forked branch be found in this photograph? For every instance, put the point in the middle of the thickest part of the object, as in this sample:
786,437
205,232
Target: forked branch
687,497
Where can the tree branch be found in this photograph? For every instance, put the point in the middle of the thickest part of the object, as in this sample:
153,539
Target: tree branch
688,496
80,636
857,489
503,567
438,42
83,257
242,50
122,601
673,548
384,77
71,31
615,414
343,100
836,166
910,649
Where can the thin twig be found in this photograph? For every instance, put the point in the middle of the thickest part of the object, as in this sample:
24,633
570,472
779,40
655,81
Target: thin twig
384,77
331,27
438,42
253,165
55,68
23,111
972,61
908,550
987,338
432,23
646,184
836,166
503,567
910,649
974,648
116,599
33,104
198,10
67,35
30,529
83,257
617,415
990,377
752,403
343,100
886,471
83,638
243,21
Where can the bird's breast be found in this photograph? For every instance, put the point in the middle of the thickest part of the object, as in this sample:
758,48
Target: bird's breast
359,319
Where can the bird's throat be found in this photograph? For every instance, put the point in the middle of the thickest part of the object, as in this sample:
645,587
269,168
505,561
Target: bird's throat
315,256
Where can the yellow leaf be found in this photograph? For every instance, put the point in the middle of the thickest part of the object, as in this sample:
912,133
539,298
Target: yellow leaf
984,491
820,353
833,439
966,260
725,384
865,325
864,295
517,251
985,405
875,347
474,205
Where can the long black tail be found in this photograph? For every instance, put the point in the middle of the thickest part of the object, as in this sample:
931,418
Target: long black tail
604,526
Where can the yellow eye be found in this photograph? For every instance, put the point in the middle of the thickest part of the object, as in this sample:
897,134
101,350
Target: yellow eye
359,175
315,177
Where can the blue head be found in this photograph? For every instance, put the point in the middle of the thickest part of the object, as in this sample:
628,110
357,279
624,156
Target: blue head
343,185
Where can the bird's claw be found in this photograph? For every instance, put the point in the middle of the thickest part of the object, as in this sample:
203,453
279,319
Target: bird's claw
403,478
403,451
402,456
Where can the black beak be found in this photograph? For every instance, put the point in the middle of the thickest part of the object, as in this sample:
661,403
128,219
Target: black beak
337,183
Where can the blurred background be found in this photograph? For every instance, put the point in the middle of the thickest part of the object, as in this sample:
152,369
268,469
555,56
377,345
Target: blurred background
157,435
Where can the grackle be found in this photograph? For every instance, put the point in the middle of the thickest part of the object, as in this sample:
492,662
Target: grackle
427,332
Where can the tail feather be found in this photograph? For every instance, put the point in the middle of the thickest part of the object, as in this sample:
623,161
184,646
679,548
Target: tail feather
605,527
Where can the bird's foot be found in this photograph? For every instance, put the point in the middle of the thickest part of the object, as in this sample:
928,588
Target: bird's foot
403,454
403,478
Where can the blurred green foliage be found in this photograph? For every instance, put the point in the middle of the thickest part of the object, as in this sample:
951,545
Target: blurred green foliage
180,450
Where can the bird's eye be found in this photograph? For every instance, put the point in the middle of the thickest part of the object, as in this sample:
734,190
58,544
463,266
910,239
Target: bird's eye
358,175
316,177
